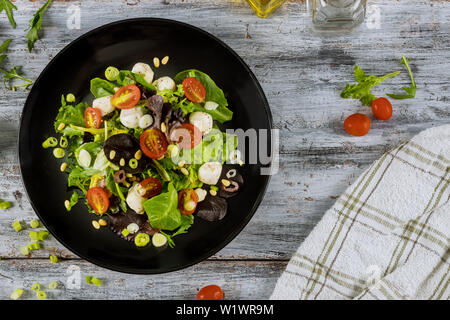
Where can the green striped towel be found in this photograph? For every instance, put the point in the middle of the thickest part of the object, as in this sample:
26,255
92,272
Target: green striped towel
387,236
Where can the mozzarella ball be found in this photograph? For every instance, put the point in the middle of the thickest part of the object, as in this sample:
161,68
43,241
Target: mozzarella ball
134,200
84,158
209,172
130,117
104,104
145,121
201,120
201,194
165,83
145,70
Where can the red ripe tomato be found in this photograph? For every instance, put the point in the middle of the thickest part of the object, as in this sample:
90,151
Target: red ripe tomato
187,136
187,201
153,143
126,97
211,292
150,187
357,124
382,108
98,199
194,90
92,118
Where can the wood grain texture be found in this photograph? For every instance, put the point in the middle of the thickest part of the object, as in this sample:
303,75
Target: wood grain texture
301,74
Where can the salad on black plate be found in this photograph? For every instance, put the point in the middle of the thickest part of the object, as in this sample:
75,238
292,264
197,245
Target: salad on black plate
147,156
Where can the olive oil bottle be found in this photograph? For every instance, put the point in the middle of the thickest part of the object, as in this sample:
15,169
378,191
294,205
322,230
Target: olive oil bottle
264,8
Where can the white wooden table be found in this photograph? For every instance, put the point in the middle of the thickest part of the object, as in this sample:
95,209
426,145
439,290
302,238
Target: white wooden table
301,74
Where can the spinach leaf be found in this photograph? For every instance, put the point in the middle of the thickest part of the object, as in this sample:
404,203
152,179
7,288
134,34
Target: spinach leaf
213,93
162,210
71,115
102,88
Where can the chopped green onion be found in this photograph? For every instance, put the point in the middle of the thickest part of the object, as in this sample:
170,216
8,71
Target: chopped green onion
111,73
34,246
53,285
50,142
24,251
96,281
59,153
63,142
34,223
17,226
36,287
133,163
5,205
70,98
33,236
141,240
88,279
17,294
53,258
125,232
41,295
42,235
215,188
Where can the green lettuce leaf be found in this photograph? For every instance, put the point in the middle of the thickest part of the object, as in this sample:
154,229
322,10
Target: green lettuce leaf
162,210
71,115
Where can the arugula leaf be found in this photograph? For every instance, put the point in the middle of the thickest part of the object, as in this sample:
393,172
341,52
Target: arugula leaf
81,178
186,222
70,115
162,210
411,91
3,47
14,74
361,90
36,25
8,7
102,88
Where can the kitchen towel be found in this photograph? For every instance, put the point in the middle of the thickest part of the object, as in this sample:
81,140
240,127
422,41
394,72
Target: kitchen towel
387,236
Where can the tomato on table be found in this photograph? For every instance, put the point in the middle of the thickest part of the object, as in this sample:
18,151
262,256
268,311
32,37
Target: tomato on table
211,292
187,201
153,143
98,199
187,136
126,97
357,124
150,187
194,90
382,108
92,118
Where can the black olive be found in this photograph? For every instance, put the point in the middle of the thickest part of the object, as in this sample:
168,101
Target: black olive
236,182
120,149
212,208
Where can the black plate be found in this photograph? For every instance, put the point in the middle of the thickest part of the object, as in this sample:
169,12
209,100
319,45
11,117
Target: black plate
122,44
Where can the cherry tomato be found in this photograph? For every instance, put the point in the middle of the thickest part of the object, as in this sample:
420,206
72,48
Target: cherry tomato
211,292
382,108
194,90
187,136
98,199
126,97
187,201
357,124
150,187
153,143
92,118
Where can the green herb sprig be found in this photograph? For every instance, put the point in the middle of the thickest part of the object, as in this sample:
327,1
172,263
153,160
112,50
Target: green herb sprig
8,7
411,91
36,25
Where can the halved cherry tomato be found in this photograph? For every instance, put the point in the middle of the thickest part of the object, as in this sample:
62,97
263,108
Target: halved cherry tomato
98,199
187,136
211,292
92,118
153,143
357,124
150,187
126,97
194,90
187,201
382,108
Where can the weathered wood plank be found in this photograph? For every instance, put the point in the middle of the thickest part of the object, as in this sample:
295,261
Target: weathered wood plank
239,280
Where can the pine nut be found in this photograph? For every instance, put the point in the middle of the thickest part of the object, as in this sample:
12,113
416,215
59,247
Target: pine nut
156,62
95,224
67,204
138,155
61,126
112,154
63,167
184,171
213,193
163,127
102,222
165,60
226,182
181,163
122,162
